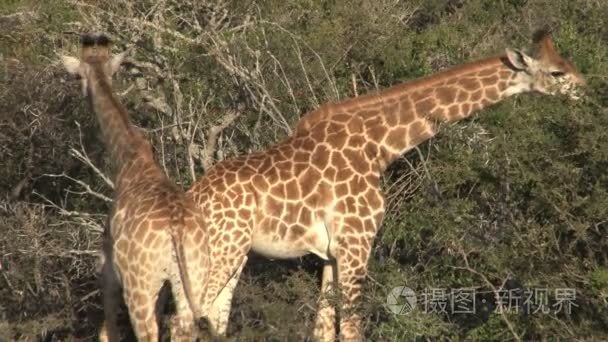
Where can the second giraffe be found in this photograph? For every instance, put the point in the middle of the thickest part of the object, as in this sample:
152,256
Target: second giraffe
154,227
319,190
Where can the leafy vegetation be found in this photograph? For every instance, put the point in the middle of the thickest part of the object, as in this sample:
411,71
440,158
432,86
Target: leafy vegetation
515,199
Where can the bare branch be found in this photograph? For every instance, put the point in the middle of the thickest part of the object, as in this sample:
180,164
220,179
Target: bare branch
83,157
80,218
494,289
87,187
213,135
192,147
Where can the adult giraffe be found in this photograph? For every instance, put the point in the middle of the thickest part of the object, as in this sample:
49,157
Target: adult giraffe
154,227
319,190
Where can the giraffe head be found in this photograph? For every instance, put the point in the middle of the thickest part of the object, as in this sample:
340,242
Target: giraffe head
95,57
546,71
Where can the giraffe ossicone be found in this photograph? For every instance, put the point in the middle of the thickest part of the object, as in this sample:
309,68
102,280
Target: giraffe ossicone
319,190
154,230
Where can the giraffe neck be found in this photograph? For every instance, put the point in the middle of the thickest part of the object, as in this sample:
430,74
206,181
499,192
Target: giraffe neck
397,119
128,147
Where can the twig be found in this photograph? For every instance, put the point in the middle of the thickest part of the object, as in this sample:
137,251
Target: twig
295,38
494,289
301,61
212,137
164,127
86,186
84,219
80,252
162,142
83,157
89,295
191,145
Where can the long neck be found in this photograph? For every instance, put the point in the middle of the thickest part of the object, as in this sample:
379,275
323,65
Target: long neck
397,119
128,148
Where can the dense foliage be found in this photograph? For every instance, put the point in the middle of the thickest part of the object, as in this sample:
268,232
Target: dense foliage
510,206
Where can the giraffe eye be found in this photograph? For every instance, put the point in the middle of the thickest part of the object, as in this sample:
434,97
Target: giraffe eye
557,74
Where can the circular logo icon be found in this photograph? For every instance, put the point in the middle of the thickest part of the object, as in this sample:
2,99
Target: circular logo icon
401,300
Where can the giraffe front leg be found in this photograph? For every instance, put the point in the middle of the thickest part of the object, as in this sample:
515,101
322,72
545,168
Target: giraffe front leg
228,253
225,266
220,310
325,323
352,270
222,270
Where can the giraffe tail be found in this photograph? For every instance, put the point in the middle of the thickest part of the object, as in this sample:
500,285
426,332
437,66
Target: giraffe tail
177,230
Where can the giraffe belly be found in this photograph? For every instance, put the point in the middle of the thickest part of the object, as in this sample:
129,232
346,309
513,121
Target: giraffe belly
315,240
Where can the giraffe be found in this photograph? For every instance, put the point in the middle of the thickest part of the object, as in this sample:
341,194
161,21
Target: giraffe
319,190
154,226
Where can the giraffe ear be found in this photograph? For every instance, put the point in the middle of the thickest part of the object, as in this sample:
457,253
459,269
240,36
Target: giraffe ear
71,64
116,61
519,60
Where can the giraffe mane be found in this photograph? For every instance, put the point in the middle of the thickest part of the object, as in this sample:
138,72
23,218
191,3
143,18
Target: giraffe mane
322,113
458,70
544,48
541,34
428,80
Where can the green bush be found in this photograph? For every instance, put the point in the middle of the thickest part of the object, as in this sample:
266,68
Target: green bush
512,199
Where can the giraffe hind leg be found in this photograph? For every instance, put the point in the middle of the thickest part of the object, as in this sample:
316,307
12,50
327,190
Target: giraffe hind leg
111,292
142,312
325,324
142,301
